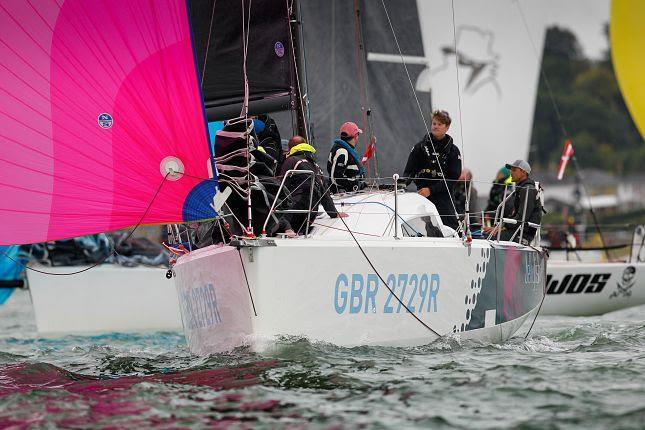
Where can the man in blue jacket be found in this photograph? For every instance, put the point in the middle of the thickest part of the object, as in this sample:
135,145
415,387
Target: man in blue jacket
344,164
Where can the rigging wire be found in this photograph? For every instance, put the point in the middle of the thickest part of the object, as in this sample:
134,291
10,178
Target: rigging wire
461,122
246,31
248,286
208,44
537,313
416,98
562,126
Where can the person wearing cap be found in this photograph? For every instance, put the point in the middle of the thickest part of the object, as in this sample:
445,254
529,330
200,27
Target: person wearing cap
499,190
434,165
301,157
525,193
344,163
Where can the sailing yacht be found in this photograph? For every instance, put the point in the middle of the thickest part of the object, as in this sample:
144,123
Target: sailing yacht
373,278
578,287
106,127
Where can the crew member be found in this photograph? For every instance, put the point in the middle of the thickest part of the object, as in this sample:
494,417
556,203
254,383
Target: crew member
527,194
301,157
434,164
498,191
344,164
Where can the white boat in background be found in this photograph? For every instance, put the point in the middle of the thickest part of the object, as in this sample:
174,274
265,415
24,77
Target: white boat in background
582,289
324,288
107,298
578,288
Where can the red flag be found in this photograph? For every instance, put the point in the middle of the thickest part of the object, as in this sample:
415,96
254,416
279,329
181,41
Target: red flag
566,156
371,148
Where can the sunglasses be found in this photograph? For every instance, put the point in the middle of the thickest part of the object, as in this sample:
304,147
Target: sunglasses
441,113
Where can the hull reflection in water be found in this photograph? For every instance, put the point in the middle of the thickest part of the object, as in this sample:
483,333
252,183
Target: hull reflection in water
72,400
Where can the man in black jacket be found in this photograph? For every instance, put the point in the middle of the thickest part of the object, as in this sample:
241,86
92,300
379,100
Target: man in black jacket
526,193
301,157
431,161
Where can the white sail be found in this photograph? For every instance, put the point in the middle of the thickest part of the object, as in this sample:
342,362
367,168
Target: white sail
497,66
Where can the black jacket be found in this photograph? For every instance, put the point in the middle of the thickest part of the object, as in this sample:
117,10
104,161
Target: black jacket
344,170
524,191
270,140
496,196
299,186
533,205
425,169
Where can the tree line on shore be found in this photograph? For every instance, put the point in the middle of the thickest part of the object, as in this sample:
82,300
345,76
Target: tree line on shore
591,107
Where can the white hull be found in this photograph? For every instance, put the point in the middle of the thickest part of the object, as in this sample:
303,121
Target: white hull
107,298
339,299
577,289
324,288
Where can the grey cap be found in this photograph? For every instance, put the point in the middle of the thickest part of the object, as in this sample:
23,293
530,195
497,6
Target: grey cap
520,164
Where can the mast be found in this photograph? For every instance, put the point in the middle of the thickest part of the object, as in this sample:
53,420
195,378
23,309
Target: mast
361,65
299,103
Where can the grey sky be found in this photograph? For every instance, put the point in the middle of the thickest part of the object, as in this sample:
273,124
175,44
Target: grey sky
586,19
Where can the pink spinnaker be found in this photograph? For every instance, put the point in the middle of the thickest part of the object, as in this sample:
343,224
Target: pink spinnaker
63,173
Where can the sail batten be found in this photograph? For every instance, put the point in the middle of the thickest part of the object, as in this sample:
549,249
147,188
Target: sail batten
95,100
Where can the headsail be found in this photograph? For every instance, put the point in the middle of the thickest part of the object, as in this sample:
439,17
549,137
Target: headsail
493,54
627,40
97,102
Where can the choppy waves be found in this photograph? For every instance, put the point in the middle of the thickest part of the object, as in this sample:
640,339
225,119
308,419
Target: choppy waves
569,373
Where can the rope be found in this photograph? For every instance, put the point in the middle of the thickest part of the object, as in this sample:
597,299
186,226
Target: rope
589,248
248,286
386,206
385,283
342,229
102,260
537,313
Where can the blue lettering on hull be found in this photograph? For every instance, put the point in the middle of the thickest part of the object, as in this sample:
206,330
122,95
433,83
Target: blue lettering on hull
357,293
200,307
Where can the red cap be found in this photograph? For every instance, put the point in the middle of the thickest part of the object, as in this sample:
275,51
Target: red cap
350,129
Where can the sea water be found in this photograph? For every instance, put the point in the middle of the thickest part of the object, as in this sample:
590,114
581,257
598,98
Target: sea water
569,373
